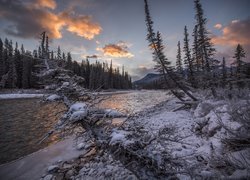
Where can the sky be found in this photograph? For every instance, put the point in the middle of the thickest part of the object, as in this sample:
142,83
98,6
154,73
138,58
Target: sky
115,29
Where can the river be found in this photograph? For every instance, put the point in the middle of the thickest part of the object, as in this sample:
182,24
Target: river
23,122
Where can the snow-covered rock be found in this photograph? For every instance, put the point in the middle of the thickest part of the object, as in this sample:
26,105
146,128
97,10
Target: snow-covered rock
79,106
53,97
78,115
113,113
53,168
65,84
80,146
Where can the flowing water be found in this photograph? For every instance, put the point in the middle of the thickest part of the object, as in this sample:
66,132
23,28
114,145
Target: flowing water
23,122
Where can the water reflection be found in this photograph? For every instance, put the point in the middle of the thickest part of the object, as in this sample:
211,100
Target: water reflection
23,122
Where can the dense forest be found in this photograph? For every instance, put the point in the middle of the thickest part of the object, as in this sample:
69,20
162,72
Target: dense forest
20,68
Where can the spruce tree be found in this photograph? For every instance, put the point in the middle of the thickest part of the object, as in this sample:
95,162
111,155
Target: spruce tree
155,43
188,59
205,46
59,57
2,61
239,55
224,73
179,67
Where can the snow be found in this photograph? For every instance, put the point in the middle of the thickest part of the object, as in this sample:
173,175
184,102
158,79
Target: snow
20,96
79,106
118,136
53,97
78,115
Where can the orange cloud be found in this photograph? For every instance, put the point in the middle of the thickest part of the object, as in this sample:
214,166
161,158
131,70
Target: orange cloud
116,50
30,19
81,25
237,32
47,3
218,26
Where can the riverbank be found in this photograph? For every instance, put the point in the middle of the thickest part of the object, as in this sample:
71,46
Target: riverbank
156,141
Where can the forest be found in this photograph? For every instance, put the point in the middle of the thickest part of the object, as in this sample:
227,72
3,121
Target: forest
19,68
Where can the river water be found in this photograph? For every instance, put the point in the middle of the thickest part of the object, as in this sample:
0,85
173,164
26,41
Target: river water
23,122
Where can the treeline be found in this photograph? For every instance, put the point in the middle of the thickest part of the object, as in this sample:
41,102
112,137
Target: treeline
198,68
15,66
20,68
101,75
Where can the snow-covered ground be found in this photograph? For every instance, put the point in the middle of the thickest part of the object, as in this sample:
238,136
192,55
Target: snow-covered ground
18,96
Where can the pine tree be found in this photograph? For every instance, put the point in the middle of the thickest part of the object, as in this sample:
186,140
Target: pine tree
47,47
43,48
69,61
155,43
179,60
2,61
239,54
18,65
205,47
23,50
224,72
111,80
12,75
59,53
63,56
196,52
187,58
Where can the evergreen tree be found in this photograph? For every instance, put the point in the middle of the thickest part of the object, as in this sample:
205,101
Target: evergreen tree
224,72
204,44
47,47
23,50
239,54
12,75
187,58
59,53
155,43
179,60
63,56
69,61
2,61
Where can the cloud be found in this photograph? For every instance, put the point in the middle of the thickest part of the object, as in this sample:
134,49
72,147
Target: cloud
29,19
46,3
237,32
218,26
118,50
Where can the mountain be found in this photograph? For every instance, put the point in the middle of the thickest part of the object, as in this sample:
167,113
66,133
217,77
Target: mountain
149,78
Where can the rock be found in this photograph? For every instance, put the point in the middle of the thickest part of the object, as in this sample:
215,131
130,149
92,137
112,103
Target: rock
48,177
53,168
